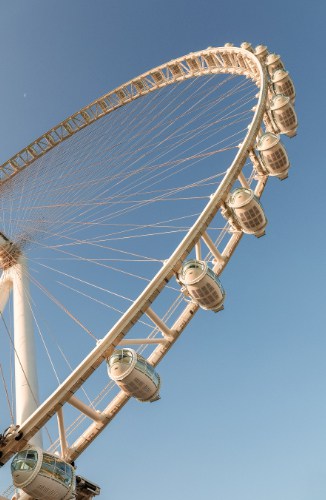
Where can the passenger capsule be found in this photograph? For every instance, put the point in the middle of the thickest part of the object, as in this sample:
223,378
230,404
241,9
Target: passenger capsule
202,285
43,476
134,375
273,62
282,84
247,46
261,52
273,155
284,115
248,211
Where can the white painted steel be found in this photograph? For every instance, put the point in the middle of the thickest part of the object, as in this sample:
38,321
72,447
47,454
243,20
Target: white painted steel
5,289
221,60
212,248
26,381
156,340
159,323
87,410
62,433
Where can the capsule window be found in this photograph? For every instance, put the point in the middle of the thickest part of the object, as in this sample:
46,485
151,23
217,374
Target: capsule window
48,465
24,460
275,66
212,275
277,159
251,218
56,469
131,386
141,364
23,465
287,118
249,214
150,370
123,356
286,88
277,155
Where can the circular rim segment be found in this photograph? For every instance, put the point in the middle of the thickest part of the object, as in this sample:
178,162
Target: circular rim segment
221,60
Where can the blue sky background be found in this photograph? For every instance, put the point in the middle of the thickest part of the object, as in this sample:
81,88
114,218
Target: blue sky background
243,410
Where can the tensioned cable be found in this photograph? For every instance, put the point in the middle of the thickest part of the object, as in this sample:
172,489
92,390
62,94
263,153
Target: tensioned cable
7,395
59,348
61,306
160,148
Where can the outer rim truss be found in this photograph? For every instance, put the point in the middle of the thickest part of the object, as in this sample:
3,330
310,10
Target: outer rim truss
222,60
210,61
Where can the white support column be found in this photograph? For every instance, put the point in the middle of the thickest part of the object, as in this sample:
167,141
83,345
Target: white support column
198,250
167,333
212,248
87,410
5,289
62,434
154,340
26,382
243,180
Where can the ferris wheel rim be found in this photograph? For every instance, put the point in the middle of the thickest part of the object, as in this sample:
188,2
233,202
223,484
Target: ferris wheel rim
258,74
109,102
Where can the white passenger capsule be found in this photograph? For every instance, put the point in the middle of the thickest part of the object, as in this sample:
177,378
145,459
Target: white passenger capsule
247,46
261,52
248,211
273,62
134,375
273,155
43,476
284,115
282,84
202,285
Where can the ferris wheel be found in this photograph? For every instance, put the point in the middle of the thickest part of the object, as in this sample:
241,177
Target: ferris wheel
121,219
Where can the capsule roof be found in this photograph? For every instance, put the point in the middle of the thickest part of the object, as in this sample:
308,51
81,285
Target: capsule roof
272,58
279,75
121,363
192,271
247,46
267,141
240,197
278,101
260,49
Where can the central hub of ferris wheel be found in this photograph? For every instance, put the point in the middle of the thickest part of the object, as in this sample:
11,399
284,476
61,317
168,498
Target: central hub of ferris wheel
9,252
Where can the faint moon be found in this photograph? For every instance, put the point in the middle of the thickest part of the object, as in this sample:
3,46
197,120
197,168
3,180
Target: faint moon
25,95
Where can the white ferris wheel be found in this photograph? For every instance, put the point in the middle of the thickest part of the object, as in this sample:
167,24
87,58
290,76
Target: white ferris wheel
115,228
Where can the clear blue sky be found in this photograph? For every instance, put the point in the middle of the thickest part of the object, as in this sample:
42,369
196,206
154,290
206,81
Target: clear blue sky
243,415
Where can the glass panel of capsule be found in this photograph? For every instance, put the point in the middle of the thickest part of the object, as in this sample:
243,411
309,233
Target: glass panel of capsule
56,469
24,460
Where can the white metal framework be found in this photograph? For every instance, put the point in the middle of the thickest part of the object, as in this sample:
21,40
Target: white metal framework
32,417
